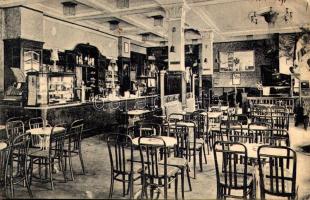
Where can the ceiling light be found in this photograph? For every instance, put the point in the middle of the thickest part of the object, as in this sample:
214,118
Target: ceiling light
288,15
158,20
114,25
172,48
69,8
145,36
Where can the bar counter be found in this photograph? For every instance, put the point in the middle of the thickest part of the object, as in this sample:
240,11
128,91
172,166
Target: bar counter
101,114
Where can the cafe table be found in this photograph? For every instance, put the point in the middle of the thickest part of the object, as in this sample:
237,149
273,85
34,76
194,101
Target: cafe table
3,145
43,134
136,115
170,141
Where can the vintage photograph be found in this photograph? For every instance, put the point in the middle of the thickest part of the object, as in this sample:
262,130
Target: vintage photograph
155,99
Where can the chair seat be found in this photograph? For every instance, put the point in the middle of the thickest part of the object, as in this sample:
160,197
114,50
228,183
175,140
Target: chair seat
177,162
198,145
171,171
239,180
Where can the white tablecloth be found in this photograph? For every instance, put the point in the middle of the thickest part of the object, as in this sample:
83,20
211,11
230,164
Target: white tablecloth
170,141
3,145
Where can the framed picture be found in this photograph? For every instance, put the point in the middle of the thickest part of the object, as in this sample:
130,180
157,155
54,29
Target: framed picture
236,78
126,47
236,61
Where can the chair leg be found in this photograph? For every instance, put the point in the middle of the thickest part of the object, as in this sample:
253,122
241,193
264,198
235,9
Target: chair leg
50,169
130,185
111,186
70,166
176,186
194,163
82,162
28,184
124,184
188,178
204,152
182,182
200,159
62,168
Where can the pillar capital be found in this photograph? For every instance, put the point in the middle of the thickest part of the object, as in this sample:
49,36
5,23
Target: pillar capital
176,10
207,34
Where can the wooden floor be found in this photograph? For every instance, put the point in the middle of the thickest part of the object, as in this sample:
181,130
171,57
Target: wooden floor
95,184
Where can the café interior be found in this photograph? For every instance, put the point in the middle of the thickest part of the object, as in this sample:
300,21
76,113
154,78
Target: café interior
154,99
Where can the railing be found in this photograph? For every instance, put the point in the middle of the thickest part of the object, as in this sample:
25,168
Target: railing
288,102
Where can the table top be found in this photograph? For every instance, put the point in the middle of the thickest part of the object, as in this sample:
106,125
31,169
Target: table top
44,131
212,114
258,127
223,108
2,127
170,141
251,148
3,145
137,112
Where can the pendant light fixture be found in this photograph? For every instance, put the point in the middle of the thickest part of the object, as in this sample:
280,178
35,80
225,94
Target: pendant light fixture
69,8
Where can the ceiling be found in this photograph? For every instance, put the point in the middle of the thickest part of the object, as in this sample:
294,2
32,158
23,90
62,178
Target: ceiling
228,19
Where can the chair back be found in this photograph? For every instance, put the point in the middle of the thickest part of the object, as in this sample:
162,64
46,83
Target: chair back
56,142
280,137
147,128
18,149
277,171
201,123
241,135
154,157
280,120
3,159
37,122
182,135
75,135
14,129
231,165
120,153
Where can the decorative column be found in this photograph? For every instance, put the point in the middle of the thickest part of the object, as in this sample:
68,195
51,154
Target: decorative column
176,41
2,24
162,87
207,52
206,57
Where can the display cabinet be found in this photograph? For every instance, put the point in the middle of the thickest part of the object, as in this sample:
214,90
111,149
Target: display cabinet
51,88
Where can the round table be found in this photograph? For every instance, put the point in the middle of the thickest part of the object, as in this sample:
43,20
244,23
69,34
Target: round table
258,127
3,145
44,131
170,141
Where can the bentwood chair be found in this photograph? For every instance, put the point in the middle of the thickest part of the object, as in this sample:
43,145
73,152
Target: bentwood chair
123,168
277,171
175,117
3,159
33,123
14,129
232,171
50,156
202,132
16,170
280,137
241,135
156,173
73,145
148,128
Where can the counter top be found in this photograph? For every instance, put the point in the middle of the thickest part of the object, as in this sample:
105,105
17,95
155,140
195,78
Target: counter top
87,102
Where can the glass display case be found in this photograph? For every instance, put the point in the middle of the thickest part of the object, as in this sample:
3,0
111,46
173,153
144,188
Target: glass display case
51,88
